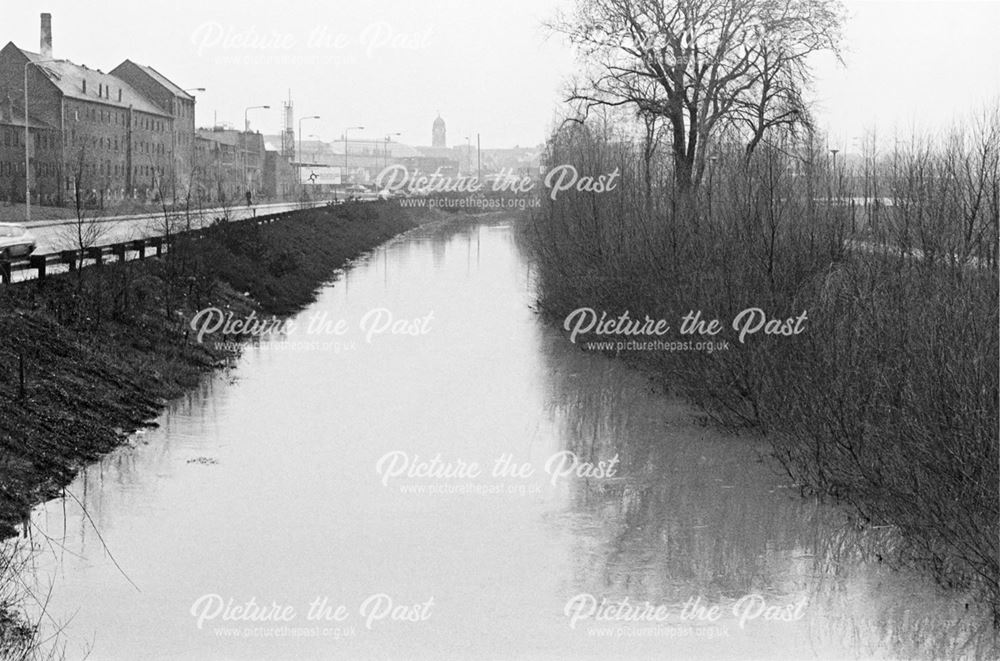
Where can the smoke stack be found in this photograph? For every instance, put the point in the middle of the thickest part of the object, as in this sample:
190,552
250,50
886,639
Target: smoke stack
46,41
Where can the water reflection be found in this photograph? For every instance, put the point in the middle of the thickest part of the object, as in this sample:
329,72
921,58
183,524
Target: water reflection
263,483
703,514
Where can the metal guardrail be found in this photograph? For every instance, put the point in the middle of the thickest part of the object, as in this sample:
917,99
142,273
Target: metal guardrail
71,260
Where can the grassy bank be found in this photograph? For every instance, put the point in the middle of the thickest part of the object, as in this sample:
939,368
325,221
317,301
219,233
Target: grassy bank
887,400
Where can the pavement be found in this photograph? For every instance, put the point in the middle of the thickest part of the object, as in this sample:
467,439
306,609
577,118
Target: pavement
59,234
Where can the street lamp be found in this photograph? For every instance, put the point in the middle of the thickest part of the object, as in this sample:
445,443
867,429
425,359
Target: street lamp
349,128
301,119
468,154
27,140
300,144
246,131
385,149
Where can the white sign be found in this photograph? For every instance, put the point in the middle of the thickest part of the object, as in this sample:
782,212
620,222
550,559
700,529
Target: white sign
320,175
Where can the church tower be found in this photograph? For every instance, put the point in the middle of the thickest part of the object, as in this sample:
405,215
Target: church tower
438,133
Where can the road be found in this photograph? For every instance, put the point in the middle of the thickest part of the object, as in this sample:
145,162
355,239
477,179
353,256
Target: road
55,235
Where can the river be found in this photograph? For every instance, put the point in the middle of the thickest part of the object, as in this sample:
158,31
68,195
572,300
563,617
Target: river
279,481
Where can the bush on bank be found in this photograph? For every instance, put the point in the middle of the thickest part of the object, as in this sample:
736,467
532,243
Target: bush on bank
888,399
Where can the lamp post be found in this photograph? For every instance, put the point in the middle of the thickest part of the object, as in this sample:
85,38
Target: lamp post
346,131
246,136
468,154
385,150
27,140
301,119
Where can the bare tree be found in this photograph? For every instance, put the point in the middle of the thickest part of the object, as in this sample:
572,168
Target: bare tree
166,225
86,230
701,65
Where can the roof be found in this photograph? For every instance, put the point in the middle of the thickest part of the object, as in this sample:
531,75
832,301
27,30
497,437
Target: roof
69,78
228,136
223,137
440,152
378,148
163,80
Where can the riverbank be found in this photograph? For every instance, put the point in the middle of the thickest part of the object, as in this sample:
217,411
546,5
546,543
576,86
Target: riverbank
874,375
87,358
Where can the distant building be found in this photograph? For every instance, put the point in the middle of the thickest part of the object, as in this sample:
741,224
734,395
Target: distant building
441,160
125,134
358,160
175,101
227,162
279,178
438,133
218,169
519,161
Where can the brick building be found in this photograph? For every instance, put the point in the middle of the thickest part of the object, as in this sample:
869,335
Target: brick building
129,135
279,180
180,105
44,152
226,161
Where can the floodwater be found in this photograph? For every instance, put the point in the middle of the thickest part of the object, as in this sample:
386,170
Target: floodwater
303,481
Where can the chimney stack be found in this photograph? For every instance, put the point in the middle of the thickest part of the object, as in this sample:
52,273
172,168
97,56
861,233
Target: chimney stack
46,41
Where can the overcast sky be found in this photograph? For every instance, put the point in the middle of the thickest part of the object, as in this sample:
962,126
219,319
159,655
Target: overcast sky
488,67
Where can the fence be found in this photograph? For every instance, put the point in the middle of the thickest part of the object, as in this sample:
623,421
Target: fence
70,260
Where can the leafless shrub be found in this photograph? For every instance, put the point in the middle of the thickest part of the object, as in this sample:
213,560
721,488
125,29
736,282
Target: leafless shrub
888,401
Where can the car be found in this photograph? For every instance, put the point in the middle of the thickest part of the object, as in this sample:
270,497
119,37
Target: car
15,241
386,194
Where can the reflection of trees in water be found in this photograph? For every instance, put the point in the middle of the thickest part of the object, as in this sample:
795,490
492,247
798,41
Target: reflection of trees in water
697,513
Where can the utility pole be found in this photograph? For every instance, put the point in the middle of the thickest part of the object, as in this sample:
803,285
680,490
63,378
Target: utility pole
346,131
246,141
